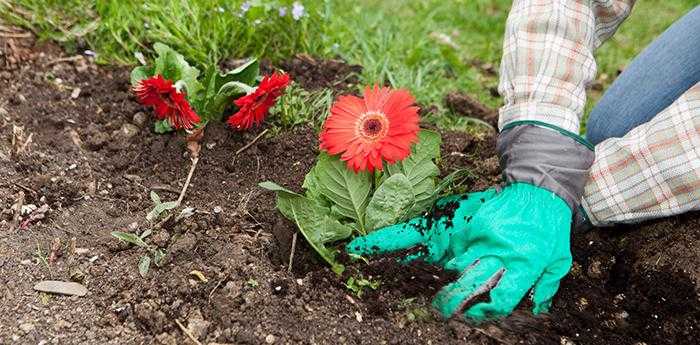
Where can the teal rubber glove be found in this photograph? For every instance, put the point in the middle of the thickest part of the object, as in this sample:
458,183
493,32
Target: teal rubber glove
504,242
432,231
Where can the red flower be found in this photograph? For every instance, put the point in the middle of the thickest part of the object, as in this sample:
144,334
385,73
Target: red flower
252,108
167,102
382,126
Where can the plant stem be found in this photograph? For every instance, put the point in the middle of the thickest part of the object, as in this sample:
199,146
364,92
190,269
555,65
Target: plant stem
291,253
187,182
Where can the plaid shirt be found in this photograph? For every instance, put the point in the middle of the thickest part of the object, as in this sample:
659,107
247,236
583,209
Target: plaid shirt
547,63
651,172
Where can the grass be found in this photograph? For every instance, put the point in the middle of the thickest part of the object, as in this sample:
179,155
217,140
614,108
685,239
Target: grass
428,46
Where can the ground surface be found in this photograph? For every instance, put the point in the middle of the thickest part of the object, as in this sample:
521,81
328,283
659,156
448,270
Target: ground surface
93,162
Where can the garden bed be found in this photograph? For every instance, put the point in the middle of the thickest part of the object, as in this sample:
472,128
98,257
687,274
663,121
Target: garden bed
93,160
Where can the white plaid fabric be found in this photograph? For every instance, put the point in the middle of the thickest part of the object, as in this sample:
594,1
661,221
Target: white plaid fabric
548,57
652,172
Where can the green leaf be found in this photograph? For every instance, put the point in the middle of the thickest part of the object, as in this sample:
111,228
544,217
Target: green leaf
158,257
390,202
140,73
313,190
153,214
349,192
245,73
223,88
144,265
146,234
315,224
172,65
421,170
155,198
168,205
283,195
225,97
129,238
162,127
271,186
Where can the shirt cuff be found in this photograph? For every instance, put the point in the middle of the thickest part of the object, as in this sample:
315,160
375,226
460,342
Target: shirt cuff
552,114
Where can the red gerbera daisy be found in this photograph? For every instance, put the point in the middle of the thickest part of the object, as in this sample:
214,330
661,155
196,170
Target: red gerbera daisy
252,108
167,102
382,126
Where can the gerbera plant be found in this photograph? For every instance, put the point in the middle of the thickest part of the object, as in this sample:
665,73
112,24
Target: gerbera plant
376,167
182,100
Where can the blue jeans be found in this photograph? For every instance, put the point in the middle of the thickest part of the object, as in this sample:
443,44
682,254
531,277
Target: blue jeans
667,68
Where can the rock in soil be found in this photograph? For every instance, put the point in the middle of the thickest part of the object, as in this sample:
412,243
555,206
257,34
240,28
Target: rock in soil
61,288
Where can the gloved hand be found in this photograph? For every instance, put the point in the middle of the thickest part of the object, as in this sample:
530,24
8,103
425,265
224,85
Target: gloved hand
503,242
517,238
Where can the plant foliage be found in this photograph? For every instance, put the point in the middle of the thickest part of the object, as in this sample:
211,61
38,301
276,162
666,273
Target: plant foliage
338,202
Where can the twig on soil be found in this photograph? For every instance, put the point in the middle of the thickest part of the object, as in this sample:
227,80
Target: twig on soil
187,181
17,208
248,145
291,253
165,220
10,29
27,189
15,35
214,289
187,332
165,188
55,248
63,59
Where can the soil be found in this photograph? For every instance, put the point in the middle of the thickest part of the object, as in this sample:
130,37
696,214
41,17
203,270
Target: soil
93,160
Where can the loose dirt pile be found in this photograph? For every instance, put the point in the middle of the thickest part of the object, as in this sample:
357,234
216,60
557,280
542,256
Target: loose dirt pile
93,160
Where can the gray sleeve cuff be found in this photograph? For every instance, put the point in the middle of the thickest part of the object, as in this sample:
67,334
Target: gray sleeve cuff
553,159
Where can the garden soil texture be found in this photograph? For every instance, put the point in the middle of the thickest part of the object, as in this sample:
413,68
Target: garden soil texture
93,159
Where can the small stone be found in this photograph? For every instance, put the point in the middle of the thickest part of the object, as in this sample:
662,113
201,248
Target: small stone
566,341
76,93
218,209
62,324
80,65
77,275
358,316
595,269
18,99
26,327
61,287
140,119
270,339
582,304
128,130
82,251
26,262
197,325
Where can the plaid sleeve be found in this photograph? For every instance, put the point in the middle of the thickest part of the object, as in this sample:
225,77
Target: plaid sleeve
653,171
548,57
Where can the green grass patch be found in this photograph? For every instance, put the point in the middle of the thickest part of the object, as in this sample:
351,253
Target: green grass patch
430,47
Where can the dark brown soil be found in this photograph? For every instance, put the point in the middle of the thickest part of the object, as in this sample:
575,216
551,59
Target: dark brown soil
313,73
465,105
628,285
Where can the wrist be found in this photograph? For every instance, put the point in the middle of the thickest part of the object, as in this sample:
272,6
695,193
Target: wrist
547,157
